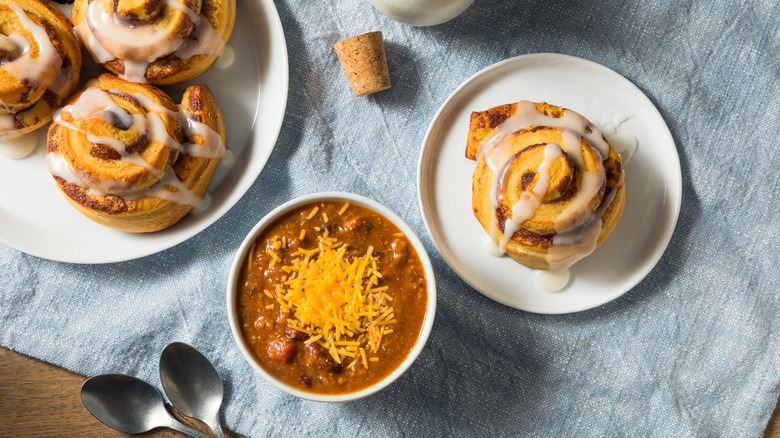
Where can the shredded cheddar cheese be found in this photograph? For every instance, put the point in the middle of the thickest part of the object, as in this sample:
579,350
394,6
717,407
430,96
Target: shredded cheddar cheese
337,302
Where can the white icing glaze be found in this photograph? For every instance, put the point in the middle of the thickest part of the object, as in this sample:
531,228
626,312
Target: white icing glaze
44,70
182,195
64,82
58,120
158,132
491,249
148,103
95,103
569,248
8,43
138,160
497,151
109,37
205,40
529,201
496,159
625,145
23,146
212,146
111,142
526,116
123,40
227,159
91,42
611,125
175,4
552,281
94,100
39,71
227,58
59,167
135,71
8,127
203,207
577,227
577,212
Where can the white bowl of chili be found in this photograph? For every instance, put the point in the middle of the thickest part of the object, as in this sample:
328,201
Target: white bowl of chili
331,297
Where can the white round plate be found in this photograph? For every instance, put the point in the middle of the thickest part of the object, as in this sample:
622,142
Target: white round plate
36,219
652,175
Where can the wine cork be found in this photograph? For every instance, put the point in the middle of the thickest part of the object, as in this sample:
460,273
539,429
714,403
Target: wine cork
364,62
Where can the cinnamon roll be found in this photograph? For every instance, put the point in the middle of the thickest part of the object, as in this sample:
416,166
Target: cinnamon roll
162,42
127,157
40,61
548,187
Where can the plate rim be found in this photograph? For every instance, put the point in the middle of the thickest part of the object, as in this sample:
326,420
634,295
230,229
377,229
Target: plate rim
276,34
640,273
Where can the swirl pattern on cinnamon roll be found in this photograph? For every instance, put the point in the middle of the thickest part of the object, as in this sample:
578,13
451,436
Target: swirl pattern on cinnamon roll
548,186
127,157
162,42
40,61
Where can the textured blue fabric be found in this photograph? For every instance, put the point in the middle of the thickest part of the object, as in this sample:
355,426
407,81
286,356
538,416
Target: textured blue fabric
693,350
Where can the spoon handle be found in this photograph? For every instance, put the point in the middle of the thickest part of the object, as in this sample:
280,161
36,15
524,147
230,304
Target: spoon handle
217,429
183,428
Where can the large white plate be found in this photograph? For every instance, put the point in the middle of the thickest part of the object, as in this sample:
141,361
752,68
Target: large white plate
653,182
252,93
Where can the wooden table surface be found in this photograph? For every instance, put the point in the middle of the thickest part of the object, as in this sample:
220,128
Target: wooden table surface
41,400
38,399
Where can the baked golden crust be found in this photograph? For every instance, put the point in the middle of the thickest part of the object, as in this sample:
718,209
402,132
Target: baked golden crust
36,79
119,192
561,189
171,67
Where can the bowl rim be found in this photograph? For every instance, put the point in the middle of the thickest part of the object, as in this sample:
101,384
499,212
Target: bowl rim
430,310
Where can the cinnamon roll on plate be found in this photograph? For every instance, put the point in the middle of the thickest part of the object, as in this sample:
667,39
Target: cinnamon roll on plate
548,187
127,157
40,61
162,42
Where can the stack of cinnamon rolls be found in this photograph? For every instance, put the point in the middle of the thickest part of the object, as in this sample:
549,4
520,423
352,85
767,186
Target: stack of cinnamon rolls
120,150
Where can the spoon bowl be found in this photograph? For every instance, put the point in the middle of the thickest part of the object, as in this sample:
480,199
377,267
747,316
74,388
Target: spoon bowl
129,405
192,384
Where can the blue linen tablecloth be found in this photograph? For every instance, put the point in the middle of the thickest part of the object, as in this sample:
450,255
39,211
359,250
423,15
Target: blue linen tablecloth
693,350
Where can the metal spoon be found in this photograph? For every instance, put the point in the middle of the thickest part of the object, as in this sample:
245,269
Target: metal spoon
129,405
192,384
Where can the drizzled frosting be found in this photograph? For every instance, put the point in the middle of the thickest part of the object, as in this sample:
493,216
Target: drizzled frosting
529,201
40,70
111,37
108,36
570,247
95,103
40,73
211,146
577,227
